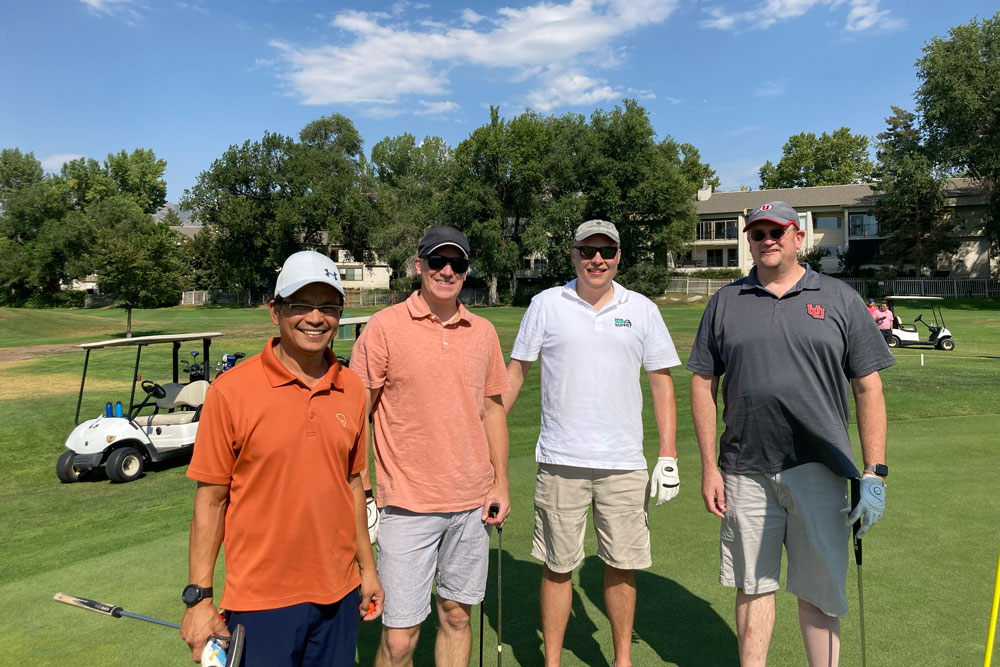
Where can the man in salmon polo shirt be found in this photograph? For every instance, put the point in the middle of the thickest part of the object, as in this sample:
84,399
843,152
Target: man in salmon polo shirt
281,442
435,375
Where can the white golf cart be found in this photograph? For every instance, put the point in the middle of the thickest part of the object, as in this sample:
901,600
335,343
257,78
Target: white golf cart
907,335
123,441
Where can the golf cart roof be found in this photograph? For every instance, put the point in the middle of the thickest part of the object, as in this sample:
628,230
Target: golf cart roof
149,340
914,298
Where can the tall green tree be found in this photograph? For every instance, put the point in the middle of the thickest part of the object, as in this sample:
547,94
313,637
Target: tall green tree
910,210
829,159
959,101
138,262
139,176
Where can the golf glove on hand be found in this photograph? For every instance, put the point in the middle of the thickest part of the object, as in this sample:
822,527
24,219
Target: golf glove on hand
871,504
372,518
665,482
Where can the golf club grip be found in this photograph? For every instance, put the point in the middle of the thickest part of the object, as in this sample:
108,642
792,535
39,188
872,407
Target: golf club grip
855,540
92,605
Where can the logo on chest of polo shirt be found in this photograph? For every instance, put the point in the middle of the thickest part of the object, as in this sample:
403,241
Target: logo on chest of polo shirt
817,311
341,418
622,322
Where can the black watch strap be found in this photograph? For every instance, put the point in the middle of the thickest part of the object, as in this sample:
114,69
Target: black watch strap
193,594
880,469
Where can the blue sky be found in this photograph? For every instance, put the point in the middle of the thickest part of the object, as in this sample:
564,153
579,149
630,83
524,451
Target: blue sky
189,78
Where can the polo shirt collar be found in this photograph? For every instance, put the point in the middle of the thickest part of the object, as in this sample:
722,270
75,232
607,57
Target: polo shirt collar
809,281
619,296
419,310
278,375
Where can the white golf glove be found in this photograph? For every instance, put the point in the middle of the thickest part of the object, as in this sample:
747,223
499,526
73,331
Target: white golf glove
372,518
666,483
871,504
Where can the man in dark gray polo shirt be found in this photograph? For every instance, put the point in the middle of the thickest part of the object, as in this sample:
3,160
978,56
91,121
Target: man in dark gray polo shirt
787,342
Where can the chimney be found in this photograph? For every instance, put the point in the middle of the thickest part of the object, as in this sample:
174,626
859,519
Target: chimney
705,191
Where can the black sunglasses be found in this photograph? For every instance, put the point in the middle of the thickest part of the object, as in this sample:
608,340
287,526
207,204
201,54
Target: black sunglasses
588,251
438,262
759,235
300,309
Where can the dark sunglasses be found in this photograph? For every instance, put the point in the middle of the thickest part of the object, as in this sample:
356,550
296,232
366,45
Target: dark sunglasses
438,262
300,309
588,251
759,235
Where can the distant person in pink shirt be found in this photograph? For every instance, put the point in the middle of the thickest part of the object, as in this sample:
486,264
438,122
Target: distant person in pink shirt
883,318
435,376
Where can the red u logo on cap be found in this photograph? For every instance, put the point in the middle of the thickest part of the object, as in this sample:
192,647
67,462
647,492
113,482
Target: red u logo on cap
765,207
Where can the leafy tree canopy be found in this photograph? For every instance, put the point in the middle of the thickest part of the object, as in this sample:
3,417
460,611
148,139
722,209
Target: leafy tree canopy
829,159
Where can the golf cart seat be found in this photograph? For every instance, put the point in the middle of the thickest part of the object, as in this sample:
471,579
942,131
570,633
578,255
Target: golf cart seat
179,395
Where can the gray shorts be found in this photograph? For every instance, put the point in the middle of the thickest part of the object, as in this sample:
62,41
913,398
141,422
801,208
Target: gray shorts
562,496
800,509
417,550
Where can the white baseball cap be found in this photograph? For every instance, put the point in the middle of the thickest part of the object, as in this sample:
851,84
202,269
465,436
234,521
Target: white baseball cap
306,267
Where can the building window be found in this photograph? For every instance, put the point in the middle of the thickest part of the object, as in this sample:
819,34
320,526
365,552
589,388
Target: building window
351,274
826,222
540,264
717,230
863,224
829,250
715,257
733,257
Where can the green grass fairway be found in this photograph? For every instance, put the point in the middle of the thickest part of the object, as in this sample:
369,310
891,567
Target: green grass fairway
929,565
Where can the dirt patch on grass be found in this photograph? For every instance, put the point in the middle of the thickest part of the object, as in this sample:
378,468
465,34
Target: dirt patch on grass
31,351
15,383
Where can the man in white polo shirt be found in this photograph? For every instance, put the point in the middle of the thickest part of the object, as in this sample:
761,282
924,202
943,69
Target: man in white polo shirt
593,335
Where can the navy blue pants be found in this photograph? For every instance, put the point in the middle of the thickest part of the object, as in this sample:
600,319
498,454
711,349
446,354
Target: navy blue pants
302,635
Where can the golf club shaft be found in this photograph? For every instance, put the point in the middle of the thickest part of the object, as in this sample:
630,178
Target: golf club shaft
858,557
991,635
499,596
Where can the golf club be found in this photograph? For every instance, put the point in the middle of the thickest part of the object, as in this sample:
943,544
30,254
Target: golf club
855,496
494,510
991,635
210,656
499,593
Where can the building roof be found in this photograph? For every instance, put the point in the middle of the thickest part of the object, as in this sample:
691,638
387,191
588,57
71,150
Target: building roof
859,194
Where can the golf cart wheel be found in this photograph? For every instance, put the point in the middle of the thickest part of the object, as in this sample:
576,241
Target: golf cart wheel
124,465
64,468
893,341
946,344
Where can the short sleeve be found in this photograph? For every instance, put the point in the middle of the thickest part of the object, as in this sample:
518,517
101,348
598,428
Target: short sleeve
658,349
705,358
529,336
214,453
370,355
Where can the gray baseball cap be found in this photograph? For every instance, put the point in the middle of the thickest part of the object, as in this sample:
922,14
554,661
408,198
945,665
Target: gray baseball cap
592,227
306,267
774,211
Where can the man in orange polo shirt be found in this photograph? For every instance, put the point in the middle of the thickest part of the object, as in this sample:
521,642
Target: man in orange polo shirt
281,442
435,375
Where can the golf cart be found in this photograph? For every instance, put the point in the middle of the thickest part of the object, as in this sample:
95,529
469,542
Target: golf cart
124,440
907,335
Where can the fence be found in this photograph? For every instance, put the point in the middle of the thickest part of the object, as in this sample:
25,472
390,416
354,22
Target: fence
470,296
704,286
217,297
969,288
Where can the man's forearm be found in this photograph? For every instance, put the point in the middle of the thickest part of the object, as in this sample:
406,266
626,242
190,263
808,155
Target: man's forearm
208,527
363,548
495,425
517,370
704,413
661,387
870,405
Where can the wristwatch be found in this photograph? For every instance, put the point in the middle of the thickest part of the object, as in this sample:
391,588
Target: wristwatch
194,594
880,469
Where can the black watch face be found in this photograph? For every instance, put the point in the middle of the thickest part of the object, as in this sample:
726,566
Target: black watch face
191,594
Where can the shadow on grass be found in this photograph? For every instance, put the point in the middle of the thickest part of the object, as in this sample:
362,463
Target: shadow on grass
681,627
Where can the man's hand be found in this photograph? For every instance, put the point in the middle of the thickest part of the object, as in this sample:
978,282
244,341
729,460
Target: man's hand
372,596
713,492
666,482
499,495
200,622
871,504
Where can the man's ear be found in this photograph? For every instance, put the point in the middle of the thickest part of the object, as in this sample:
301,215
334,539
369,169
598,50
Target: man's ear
273,307
417,264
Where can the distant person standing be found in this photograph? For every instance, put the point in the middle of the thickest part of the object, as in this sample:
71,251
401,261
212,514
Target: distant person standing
872,308
592,337
435,377
884,318
787,343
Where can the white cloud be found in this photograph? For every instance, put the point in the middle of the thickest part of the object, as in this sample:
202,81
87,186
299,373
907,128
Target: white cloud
863,15
125,9
383,62
773,88
55,161
435,108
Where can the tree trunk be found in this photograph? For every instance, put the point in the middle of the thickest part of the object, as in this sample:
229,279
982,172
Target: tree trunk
493,291
128,321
